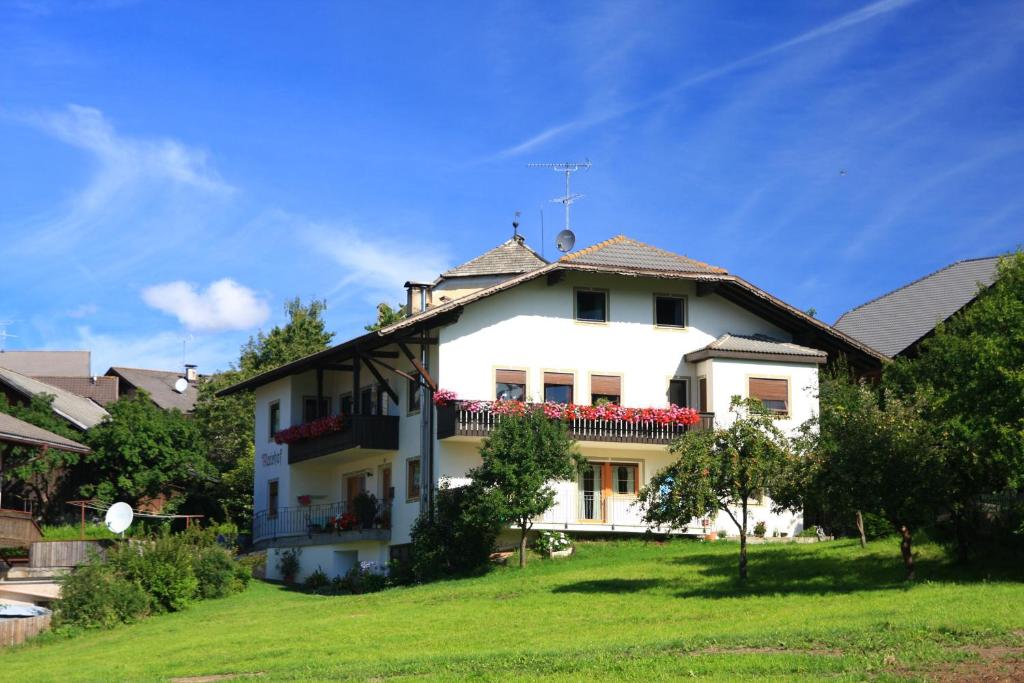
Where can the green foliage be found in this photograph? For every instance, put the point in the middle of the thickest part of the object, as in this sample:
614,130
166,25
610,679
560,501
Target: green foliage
162,566
456,540
809,532
969,376
95,595
72,532
760,528
386,315
718,470
552,541
218,574
317,580
288,562
304,334
142,452
521,457
33,473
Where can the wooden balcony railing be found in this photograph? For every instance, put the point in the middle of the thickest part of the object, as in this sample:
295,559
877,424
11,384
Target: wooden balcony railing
378,432
455,420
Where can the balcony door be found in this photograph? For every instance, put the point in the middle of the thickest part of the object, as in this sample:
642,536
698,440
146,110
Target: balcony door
590,490
354,485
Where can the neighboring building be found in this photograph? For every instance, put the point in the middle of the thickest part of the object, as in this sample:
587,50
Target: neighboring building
896,323
621,321
82,413
68,370
161,385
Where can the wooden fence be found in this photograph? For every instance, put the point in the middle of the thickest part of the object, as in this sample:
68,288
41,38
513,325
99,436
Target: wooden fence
17,528
62,553
16,630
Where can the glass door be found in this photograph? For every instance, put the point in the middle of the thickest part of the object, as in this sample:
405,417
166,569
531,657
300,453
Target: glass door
590,494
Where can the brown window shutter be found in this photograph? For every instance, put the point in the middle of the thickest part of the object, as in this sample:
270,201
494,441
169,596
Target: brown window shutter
608,385
769,389
511,376
558,378
703,399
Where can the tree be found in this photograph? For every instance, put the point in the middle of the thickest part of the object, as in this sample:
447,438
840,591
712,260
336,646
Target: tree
227,422
521,457
142,452
386,315
970,378
867,451
39,474
719,470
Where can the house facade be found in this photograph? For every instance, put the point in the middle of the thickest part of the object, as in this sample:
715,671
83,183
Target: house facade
621,323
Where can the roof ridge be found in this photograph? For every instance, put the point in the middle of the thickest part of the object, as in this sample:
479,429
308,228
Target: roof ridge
128,367
618,239
593,247
914,282
678,256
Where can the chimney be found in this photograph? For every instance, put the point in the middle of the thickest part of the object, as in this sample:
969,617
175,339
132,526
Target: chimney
191,374
418,298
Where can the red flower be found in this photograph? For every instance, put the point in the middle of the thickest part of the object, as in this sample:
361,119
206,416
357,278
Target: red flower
318,427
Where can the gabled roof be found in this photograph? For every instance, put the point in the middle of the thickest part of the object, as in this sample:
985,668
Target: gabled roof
623,252
159,384
757,347
895,321
13,430
81,412
50,363
509,258
101,389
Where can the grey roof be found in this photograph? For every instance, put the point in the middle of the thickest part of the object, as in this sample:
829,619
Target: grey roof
510,258
13,430
81,412
895,321
51,363
623,252
159,384
757,346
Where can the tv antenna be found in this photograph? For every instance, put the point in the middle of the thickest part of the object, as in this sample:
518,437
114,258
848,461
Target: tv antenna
568,168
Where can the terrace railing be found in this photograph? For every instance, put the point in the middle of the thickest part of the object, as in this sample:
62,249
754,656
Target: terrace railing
335,518
456,420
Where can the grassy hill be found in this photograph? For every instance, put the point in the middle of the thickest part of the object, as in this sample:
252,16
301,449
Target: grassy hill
625,610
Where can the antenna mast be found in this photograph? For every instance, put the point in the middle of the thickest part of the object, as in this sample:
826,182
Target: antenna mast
568,168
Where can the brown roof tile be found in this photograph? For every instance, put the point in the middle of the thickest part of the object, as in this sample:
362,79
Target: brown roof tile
102,389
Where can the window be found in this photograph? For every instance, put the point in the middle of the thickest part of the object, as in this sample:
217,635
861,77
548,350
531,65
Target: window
605,389
367,404
346,403
702,391
625,479
773,393
592,305
275,418
272,496
679,392
558,387
309,411
412,479
510,385
669,311
414,396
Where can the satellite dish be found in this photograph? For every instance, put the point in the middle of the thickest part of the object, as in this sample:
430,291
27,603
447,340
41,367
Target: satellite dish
565,240
181,385
119,517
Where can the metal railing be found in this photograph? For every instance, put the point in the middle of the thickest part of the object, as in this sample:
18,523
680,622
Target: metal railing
321,518
583,509
455,420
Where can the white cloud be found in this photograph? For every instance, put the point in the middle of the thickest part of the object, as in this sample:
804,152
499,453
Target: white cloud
376,267
224,305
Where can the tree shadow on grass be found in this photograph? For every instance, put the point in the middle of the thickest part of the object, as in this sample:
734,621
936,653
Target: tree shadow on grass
779,571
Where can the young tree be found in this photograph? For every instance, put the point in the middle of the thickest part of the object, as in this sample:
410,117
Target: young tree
521,457
970,377
719,470
386,315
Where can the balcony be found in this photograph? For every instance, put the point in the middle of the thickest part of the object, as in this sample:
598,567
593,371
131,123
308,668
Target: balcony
370,432
455,420
323,524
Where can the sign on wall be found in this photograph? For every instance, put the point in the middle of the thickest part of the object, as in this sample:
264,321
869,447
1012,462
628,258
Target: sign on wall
273,458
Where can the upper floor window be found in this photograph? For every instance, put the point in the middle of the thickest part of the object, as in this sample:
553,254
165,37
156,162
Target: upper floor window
510,385
605,389
414,396
773,393
412,479
592,305
669,310
558,387
275,418
309,408
679,392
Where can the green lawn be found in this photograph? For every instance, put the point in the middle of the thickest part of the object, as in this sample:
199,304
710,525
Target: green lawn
624,610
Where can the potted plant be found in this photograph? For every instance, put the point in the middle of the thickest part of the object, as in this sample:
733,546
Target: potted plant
760,528
553,544
365,507
288,563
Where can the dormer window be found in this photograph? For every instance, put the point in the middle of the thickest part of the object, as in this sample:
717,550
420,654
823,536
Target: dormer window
592,305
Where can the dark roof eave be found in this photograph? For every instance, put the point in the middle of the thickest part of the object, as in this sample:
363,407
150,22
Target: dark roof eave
14,438
795,358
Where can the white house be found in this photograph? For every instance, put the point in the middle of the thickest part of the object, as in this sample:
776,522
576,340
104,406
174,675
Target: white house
620,322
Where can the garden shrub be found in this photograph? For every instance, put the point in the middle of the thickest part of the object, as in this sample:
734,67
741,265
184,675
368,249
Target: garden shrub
217,573
877,526
808,532
317,580
456,541
162,567
552,541
95,596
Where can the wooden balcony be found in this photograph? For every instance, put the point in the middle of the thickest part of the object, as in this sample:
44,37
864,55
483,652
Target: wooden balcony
453,420
369,432
18,529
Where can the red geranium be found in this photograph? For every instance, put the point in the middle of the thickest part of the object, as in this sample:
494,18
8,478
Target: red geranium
318,427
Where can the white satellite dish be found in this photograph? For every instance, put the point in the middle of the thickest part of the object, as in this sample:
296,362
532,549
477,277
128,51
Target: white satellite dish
119,517
181,385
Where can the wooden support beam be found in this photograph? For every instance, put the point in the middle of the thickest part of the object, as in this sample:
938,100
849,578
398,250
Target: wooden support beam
340,367
356,387
382,354
419,366
381,381
400,373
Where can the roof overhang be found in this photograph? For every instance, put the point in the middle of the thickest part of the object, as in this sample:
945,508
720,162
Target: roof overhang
705,354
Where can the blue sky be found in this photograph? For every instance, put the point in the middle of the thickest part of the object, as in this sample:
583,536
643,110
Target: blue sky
176,171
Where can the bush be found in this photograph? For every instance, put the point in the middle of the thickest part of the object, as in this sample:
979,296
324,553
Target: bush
457,541
877,526
808,532
760,528
95,596
218,574
288,562
162,567
552,541
317,581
